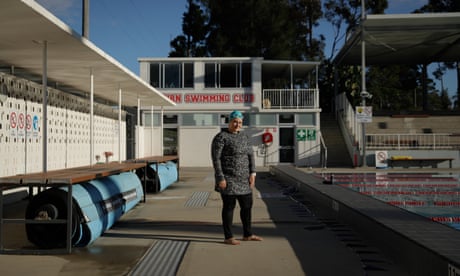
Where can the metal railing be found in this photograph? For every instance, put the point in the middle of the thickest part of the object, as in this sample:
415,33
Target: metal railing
323,152
429,141
290,98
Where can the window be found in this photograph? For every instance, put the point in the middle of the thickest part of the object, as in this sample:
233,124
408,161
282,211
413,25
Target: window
286,118
263,120
210,75
171,75
199,119
148,119
170,119
227,75
307,119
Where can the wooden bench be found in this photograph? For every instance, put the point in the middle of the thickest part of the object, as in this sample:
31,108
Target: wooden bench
155,159
58,178
419,162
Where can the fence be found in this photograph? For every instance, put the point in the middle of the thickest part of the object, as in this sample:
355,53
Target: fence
290,98
431,141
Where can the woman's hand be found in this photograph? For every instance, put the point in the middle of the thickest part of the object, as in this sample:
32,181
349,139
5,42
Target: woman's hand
252,181
223,184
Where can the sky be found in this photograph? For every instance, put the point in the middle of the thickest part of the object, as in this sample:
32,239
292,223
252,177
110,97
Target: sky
131,29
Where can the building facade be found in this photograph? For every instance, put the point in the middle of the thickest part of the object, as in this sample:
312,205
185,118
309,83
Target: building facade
279,100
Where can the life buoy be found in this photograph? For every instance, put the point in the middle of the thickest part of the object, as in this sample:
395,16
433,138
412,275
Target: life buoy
267,138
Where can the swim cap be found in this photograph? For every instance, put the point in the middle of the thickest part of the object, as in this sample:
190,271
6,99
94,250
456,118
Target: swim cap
236,114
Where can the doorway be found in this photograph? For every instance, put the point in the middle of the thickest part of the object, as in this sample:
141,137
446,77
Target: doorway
286,145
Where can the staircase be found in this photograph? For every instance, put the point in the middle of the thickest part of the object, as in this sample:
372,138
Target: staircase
337,153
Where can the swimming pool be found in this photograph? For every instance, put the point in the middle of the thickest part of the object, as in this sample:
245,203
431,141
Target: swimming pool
435,196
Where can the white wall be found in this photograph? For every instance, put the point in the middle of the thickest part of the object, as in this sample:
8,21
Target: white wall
150,142
21,148
264,156
195,146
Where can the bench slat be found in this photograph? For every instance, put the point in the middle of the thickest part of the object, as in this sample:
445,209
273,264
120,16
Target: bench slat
72,175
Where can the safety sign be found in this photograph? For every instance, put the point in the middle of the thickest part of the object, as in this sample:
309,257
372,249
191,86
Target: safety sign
306,134
301,135
364,114
381,161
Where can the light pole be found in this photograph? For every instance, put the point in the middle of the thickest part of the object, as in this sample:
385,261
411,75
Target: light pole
364,93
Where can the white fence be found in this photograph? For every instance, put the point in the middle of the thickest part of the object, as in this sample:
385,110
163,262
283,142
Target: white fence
290,98
431,141
426,141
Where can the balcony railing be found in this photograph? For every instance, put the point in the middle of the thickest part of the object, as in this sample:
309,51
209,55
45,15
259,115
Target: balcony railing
290,98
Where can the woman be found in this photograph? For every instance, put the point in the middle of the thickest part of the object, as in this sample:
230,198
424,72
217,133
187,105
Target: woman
235,174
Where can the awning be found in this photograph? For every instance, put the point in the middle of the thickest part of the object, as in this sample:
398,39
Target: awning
404,39
25,25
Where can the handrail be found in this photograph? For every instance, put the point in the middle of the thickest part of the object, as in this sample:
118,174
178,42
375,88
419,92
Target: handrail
312,149
323,156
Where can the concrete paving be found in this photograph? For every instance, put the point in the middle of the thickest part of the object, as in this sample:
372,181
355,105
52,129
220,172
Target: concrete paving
185,220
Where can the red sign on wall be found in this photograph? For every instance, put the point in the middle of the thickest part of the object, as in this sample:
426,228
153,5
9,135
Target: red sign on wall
13,120
217,98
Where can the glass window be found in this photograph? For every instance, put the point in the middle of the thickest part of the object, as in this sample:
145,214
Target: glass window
172,75
262,120
155,75
210,75
199,120
246,73
307,119
188,75
148,119
228,75
286,118
170,119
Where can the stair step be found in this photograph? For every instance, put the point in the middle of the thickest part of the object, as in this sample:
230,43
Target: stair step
337,152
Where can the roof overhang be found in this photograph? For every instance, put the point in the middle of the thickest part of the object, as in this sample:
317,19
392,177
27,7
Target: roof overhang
404,39
299,68
70,58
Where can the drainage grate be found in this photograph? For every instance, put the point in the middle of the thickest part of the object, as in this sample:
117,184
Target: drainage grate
198,199
162,259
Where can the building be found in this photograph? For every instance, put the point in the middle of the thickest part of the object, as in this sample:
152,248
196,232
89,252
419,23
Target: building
280,101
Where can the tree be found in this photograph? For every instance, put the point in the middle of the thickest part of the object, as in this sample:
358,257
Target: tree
306,14
273,29
194,27
344,16
258,28
446,6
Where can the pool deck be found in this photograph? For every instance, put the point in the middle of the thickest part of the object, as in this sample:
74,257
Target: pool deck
178,232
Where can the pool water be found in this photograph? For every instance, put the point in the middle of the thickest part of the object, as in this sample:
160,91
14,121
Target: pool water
435,196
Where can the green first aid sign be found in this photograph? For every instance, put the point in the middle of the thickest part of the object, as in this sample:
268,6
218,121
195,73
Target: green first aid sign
306,134
301,135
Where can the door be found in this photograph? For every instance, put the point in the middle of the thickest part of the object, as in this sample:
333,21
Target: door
286,145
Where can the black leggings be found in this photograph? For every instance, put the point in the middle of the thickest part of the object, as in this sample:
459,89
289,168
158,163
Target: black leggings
229,203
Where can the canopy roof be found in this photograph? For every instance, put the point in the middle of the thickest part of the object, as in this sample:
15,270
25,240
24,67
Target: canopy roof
404,39
25,26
